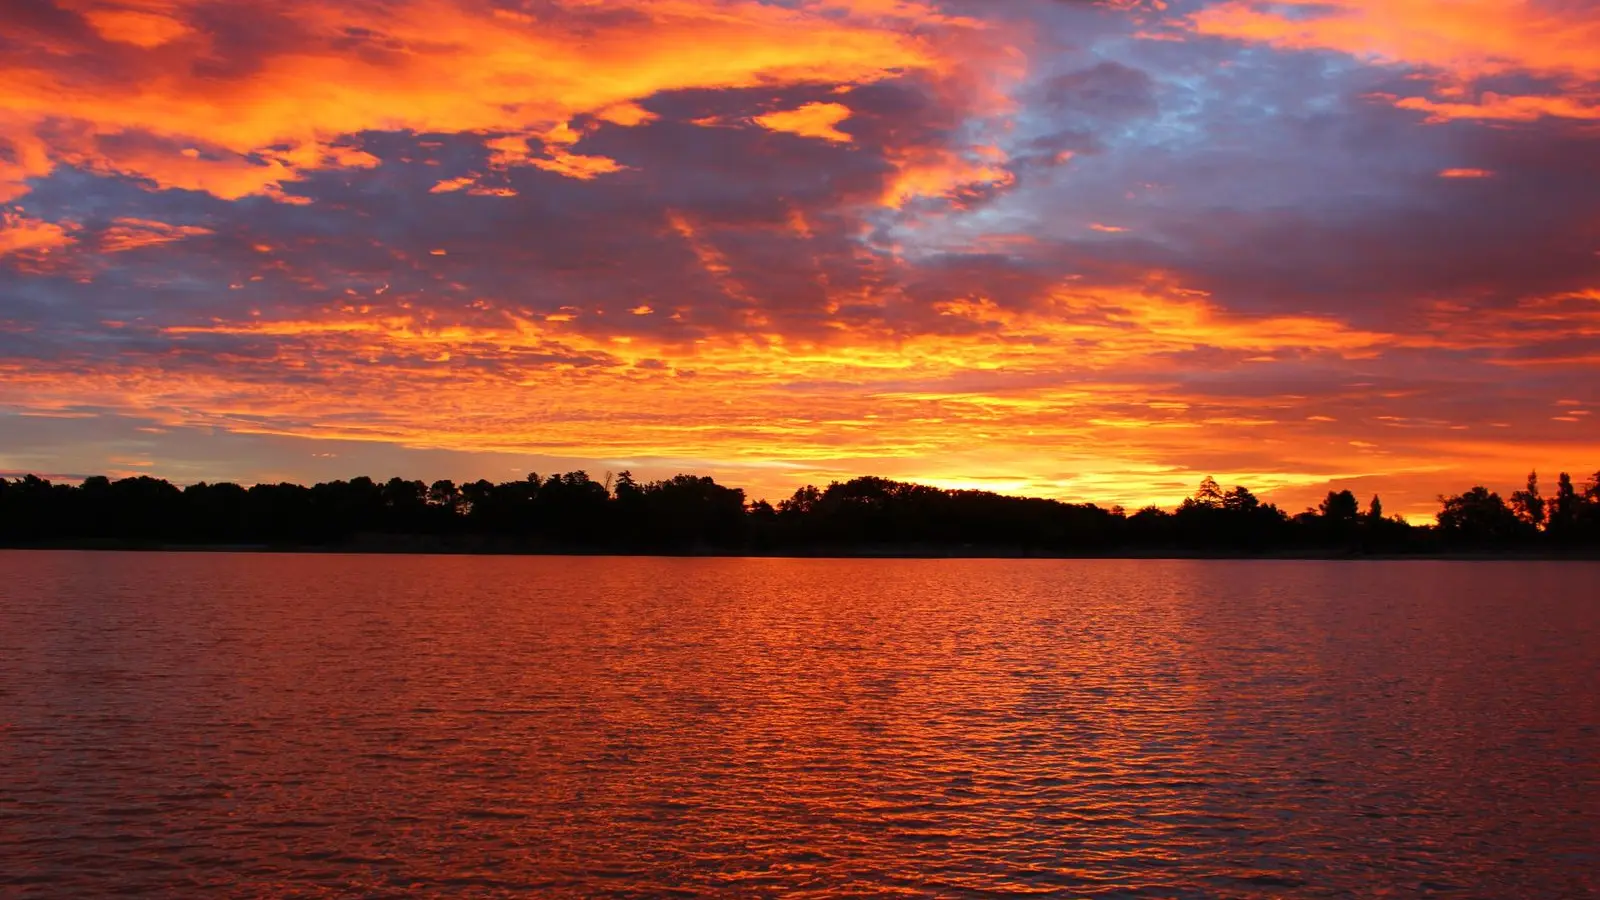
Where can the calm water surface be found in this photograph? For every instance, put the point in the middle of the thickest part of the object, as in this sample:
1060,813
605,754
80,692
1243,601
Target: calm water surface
262,725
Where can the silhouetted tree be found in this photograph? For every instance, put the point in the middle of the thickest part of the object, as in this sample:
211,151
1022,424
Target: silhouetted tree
1589,509
1528,504
1566,508
1479,517
1340,509
474,496
1236,519
802,502
1240,501
1151,526
445,494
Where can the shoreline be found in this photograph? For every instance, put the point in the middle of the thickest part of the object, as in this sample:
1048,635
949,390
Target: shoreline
429,548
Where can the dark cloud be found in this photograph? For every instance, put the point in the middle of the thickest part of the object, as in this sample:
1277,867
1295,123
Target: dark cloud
1106,90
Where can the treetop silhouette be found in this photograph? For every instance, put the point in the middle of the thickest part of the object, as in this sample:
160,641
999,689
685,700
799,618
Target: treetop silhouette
688,513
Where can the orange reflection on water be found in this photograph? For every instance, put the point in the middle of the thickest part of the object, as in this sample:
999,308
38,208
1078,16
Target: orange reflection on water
582,727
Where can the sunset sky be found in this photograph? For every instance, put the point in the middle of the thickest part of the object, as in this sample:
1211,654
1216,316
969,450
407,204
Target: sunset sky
1088,250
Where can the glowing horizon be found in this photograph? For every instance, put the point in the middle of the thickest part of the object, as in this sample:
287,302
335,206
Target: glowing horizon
1094,251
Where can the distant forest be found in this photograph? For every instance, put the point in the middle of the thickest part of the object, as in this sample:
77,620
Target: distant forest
689,514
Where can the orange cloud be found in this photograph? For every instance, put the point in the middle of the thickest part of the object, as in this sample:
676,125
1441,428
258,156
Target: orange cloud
132,234
577,165
1529,323
941,172
429,66
19,234
1506,108
1472,39
814,120
1052,418
1462,42
1050,394
143,23
472,184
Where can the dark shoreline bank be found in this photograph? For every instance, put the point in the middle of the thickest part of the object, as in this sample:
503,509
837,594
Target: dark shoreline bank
686,515
404,547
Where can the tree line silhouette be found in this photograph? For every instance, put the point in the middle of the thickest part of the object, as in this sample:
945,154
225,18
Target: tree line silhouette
687,514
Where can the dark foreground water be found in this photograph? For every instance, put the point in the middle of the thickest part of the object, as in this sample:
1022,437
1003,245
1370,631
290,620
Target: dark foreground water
238,725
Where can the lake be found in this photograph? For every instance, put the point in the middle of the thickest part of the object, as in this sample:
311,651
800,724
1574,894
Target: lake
332,725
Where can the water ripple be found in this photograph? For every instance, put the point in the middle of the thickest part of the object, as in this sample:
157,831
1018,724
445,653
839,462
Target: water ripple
318,726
